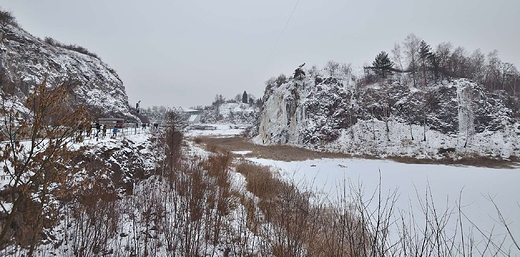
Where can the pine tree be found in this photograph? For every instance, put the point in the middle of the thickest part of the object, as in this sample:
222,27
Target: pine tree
382,64
244,97
425,54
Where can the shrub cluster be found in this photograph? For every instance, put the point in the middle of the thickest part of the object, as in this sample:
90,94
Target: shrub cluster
7,18
72,47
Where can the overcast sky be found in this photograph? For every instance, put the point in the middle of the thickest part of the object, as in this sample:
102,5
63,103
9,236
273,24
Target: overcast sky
183,53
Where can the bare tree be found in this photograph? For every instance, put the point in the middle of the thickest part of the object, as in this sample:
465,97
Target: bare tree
345,71
493,71
442,55
34,160
7,18
477,61
458,65
397,58
173,141
508,71
332,68
412,45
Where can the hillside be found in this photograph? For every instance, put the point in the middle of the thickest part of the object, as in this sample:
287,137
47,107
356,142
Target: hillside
26,61
450,118
230,112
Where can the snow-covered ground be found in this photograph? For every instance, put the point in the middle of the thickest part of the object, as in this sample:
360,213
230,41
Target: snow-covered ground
328,177
474,185
220,130
226,109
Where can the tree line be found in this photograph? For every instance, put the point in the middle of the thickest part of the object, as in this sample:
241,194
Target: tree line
428,64
245,98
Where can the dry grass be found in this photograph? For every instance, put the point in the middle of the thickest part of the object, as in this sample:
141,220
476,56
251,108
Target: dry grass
260,180
292,153
301,228
296,224
197,140
274,152
477,161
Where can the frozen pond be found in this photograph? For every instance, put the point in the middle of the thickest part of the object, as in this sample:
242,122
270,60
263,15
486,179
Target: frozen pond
474,185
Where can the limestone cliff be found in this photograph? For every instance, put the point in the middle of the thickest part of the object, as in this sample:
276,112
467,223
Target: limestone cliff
27,60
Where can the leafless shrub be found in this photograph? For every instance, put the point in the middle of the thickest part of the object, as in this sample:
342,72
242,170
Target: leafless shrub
197,140
212,148
196,212
298,223
295,223
40,170
260,180
76,48
388,231
7,18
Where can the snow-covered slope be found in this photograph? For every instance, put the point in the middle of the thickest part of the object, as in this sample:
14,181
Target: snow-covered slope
230,112
27,60
388,118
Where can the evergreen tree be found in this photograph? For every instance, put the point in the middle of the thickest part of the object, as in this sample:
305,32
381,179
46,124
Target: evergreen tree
425,54
245,98
424,50
382,64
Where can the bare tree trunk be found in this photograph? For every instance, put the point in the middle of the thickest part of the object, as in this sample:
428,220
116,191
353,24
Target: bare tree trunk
411,132
424,127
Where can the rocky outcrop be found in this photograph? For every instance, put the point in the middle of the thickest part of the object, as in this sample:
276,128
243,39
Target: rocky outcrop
389,118
27,60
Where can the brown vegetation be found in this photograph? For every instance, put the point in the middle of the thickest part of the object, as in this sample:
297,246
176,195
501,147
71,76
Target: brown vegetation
7,18
38,171
477,161
292,153
189,206
72,47
274,152
299,226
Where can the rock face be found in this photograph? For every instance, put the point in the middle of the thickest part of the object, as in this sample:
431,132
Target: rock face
27,60
388,118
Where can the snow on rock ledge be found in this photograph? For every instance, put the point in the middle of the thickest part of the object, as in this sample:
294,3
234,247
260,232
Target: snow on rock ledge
389,119
27,60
